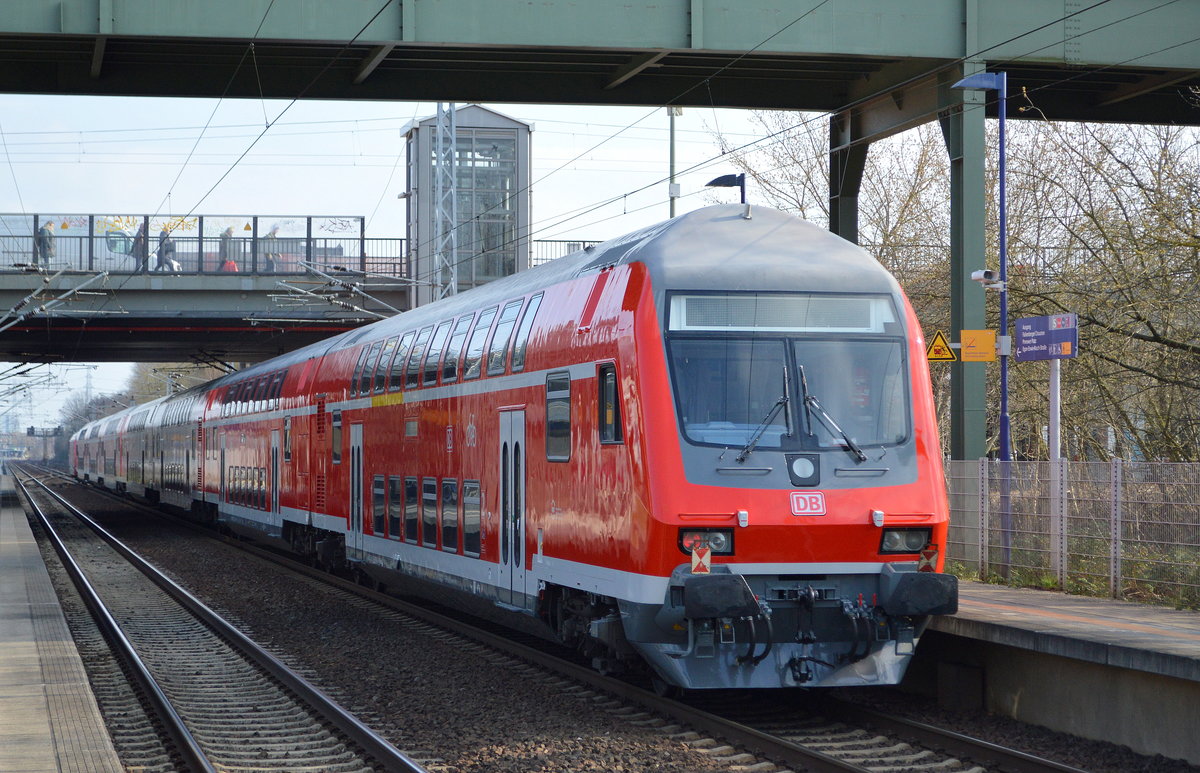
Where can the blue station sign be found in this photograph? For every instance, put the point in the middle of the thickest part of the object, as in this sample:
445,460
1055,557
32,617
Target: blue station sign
1055,337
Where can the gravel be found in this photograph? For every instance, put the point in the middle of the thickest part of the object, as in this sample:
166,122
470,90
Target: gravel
462,710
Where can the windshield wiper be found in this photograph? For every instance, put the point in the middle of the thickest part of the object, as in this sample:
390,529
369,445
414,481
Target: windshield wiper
766,422
813,405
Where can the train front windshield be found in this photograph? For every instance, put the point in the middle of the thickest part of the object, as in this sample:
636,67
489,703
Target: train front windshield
789,370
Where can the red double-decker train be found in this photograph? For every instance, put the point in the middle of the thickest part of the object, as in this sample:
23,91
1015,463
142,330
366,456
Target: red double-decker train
707,447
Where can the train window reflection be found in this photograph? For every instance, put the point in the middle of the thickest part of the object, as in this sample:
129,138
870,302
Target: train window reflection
399,358
725,388
471,510
364,382
455,349
433,359
381,366
473,360
558,416
522,340
394,508
450,516
861,385
411,516
429,495
412,374
499,348
610,408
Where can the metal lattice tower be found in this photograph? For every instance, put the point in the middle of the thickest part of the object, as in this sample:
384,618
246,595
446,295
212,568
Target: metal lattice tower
445,201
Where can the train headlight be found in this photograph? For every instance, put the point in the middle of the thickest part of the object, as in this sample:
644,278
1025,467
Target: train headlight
904,540
719,541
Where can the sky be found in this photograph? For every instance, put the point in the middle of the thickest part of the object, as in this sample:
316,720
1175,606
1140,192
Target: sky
81,155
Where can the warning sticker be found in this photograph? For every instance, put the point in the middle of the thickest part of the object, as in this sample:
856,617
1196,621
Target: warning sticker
701,560
939,349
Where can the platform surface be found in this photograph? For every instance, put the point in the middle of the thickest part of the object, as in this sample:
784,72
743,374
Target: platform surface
49,720
1121,634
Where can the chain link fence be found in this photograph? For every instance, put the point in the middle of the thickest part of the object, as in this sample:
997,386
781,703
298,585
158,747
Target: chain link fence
1123,529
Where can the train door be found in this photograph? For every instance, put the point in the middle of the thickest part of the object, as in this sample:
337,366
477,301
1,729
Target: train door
355,539
274,503
512,507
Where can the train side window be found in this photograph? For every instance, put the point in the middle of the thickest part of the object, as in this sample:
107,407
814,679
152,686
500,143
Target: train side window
471,508
394,506
432,360
474,358
454,349
412,374
521,342
411,503
260,392
396,374
358,369
610,406
379,505
498,353
368,371
429,495
558,416
335,437
450,516
287,438
381,367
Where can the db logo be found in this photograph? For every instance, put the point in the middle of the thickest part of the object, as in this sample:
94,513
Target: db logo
808,503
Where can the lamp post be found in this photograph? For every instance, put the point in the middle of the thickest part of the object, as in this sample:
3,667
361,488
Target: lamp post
998,82
729,181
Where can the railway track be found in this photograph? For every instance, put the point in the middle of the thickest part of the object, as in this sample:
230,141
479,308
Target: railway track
223,702
755,733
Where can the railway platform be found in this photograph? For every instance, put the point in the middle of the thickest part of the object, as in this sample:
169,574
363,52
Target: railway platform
1099,668
49,720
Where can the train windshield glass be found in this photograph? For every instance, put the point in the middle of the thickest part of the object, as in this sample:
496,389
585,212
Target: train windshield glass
733,357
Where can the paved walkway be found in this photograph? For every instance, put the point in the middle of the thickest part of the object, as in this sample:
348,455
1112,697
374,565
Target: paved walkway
49,720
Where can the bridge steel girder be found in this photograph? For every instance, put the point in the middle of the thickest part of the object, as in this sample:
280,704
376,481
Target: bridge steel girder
1092,64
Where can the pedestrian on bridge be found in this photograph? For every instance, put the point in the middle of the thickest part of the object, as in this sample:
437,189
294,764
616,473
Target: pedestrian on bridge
166,252
141,249
271,251
225,251
43,245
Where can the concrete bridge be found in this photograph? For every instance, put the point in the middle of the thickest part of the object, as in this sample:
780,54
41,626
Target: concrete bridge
104,294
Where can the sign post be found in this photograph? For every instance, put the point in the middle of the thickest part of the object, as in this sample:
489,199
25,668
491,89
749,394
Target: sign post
1054,338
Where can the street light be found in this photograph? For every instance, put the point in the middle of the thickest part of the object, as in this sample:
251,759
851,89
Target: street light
730,181
998,82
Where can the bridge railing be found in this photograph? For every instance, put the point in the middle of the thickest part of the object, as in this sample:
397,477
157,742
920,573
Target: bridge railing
196,255
1122,529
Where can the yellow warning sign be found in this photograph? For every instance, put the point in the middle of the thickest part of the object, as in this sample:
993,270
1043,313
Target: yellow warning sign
978,346
939,349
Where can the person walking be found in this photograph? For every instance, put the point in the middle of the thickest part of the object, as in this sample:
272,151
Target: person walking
43,244
141,249
271,251
166,252
225,251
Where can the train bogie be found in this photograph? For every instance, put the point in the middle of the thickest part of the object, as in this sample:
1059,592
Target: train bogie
707,449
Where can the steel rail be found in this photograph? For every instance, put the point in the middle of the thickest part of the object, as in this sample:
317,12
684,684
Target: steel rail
185,744
765,744
383,752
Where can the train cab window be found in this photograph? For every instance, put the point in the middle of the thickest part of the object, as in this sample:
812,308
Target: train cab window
385,361
394,506
396,371
521,342
473,359
287,438
454,349
364,380
378,505
498,352
358,369
558,416
450,516
335,437
412,373
429,495
434,358
411,515
610,406
471,509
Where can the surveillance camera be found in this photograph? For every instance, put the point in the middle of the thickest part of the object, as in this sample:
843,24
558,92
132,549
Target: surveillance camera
987,276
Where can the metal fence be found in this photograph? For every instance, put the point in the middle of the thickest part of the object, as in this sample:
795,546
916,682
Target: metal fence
1123,529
